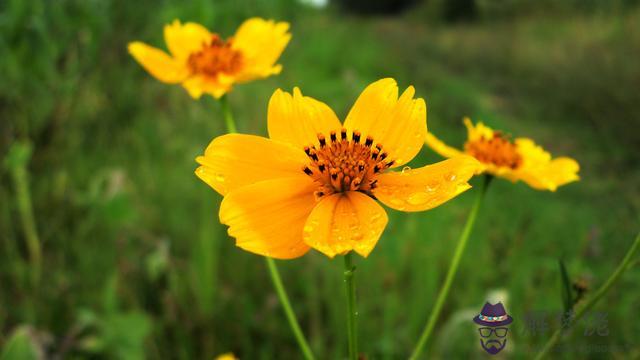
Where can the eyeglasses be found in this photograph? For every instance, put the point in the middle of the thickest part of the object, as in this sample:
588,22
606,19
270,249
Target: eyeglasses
500,332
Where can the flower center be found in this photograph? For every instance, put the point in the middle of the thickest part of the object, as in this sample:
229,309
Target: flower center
498,150
341,165
215,57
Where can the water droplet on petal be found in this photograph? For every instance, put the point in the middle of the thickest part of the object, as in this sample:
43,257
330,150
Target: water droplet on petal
219,177
405,169
418,198
450,177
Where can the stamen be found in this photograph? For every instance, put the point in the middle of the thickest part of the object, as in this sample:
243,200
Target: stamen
323,141
343,165
498,150
369,141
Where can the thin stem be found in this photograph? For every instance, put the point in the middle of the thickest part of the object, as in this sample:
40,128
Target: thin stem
352,311
587,305
228,116
17,160
286,305
271,264
453,269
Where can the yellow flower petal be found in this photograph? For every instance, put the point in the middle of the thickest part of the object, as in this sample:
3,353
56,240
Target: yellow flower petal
158,63
197,85
226,356
542,172
344,222
441,148
477,131
267,217
426,187
551,175
298,119
400,125
183,40
261,43
234,160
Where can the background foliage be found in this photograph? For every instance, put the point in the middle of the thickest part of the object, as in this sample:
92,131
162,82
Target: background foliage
136,264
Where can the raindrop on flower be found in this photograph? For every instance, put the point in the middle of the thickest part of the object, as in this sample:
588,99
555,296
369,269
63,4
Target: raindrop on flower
418,198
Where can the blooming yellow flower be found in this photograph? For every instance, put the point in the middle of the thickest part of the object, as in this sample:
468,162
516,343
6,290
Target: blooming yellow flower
203,62
226,356
313,183
520,159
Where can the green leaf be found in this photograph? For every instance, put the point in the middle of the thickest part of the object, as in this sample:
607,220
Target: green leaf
566,293
21,345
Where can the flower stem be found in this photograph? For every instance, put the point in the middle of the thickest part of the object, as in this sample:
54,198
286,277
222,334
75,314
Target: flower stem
17,159
286,305
271,264
587,305
453,269
352,312
228,116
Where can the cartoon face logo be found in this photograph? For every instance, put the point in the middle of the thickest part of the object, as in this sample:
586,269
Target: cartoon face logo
493,321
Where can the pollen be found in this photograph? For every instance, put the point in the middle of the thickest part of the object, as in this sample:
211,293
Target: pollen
216,57
498,150
341,164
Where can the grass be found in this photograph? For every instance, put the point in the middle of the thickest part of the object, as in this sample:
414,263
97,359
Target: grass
136,264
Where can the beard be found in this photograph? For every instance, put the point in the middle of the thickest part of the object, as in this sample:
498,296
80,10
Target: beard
493,346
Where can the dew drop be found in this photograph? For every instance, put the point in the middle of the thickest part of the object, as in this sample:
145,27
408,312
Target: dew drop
450,177
219,177
405,169
308,229
418,198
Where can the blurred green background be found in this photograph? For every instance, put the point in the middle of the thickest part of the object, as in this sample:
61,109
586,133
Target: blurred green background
135,263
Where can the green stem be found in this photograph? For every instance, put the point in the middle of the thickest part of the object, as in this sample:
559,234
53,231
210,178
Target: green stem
228,116
350,285
453,269
271,264
17,160
286,305
587,305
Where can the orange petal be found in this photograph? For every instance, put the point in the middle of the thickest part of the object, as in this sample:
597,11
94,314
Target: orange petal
183,40
426,187
399,124
261,43
298,119
344,222
197,85
158,63
267,217
234,160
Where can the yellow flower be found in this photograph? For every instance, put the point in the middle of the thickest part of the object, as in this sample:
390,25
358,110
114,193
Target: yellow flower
226,356
520,159
313,183
203,62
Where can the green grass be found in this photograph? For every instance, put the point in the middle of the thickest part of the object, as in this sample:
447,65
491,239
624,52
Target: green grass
136,263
